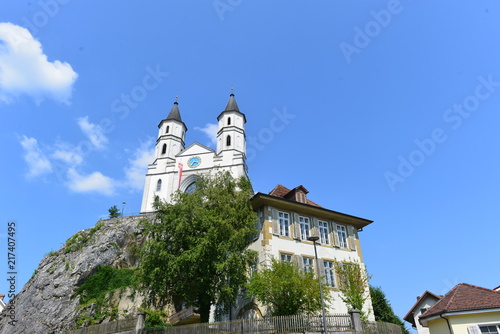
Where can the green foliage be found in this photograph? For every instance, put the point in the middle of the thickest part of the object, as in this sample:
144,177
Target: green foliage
95,291
383,310
114,212
80,239
34,273
287,290
353,283
96,228
106,279
154,319
75,243
51,253
197,248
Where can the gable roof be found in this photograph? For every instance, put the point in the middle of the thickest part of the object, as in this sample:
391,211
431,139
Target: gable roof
464,297
195,148
410,316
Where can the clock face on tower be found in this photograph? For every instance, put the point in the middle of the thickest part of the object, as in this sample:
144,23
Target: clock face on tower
194,162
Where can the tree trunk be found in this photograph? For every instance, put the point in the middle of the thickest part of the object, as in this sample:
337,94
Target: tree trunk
204,310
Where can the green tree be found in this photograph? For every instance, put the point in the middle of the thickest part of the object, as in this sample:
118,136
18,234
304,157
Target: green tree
353,285
286,289
197,247
114,212
383,310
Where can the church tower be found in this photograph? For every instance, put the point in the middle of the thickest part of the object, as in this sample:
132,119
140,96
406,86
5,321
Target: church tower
231,130
176,167
171,135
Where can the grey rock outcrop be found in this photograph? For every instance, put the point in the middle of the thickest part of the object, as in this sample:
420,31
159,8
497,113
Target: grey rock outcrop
47,304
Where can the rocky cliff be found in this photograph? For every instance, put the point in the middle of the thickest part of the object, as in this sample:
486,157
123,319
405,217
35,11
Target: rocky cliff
49,302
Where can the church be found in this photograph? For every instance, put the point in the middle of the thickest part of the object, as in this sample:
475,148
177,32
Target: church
288,220
175,167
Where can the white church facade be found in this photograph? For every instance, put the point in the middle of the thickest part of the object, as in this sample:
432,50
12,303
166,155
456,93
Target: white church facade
287,218
175,167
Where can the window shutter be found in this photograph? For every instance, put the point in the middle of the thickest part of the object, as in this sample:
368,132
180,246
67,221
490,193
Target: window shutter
295,226
299,261
351,237
274,218
321,265
335,236
315,229
473,329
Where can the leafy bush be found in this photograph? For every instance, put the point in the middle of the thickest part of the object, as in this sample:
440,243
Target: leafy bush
106,279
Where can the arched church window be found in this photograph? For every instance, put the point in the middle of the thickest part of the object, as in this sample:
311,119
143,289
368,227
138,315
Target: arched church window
158,185
164,149
190,189
229,121
228,141
168,129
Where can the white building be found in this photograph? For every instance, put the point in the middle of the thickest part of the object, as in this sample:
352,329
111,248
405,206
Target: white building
176,167
423,303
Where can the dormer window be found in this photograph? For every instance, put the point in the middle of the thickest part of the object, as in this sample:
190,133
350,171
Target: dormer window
301,197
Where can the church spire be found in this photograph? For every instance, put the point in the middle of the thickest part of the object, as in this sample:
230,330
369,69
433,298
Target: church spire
174,113
231,104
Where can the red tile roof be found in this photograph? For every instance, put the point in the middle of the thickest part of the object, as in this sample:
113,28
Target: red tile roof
282,191
464,297
279,191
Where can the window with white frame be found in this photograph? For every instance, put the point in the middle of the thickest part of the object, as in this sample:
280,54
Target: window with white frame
323,232
286,257
308,264
489,329
341,232
284,221
329,273
305,228
158,185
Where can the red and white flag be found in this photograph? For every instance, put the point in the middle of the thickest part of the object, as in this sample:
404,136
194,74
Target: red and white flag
180,175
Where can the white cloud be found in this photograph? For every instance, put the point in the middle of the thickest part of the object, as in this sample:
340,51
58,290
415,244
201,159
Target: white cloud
135,172
210,130
25,69
68,157
67,153
93,131
38,164
95,182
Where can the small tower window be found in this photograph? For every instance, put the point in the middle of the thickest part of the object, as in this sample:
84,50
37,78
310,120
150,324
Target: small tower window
228,141
158,185
164,149
229,121
168,129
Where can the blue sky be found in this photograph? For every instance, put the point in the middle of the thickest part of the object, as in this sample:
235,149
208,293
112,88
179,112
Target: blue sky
387,110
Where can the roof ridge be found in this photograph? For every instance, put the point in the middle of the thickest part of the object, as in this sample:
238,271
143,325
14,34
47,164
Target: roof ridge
464,296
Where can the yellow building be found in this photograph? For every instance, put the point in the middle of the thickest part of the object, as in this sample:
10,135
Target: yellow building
287,220
465,309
